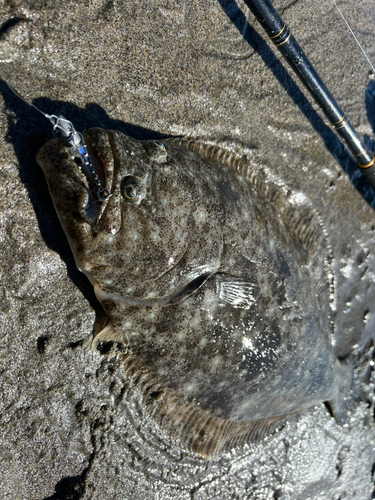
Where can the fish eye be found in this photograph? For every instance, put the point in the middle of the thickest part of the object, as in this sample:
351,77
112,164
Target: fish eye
130,188
130,192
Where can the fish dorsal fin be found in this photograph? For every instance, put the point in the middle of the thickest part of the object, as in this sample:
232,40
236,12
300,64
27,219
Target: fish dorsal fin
212,151
296,213
108,334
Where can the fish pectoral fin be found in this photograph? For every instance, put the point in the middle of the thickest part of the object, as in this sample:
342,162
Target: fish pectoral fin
108,334
238,292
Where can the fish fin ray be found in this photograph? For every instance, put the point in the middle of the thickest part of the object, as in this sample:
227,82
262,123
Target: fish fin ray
208,435
108,334
207,150
237,292
191,427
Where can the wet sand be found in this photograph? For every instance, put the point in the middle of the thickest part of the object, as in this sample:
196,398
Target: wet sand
198,69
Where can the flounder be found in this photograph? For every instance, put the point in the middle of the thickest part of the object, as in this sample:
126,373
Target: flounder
216,280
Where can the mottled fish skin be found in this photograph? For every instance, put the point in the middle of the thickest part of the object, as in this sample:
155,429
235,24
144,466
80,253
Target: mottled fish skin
216,280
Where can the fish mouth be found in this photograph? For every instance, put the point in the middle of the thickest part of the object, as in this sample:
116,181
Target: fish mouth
100,179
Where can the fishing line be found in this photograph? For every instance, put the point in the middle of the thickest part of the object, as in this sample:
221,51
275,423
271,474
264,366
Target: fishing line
282,38
25,101
75,142
355,38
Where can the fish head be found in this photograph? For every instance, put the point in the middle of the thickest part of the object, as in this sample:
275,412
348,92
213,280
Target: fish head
160,227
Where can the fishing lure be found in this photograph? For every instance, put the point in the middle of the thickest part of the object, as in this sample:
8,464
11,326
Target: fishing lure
75,143
77,148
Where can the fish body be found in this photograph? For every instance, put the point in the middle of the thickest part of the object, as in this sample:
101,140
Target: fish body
217,281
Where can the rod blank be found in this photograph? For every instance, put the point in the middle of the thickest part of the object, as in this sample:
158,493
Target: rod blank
282,38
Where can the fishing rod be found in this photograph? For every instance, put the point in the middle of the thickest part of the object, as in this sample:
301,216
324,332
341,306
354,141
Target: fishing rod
281,36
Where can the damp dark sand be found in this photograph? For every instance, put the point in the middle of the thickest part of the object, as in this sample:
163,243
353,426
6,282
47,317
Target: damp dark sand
68,429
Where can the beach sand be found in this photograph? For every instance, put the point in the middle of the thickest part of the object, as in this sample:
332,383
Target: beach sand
68,428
